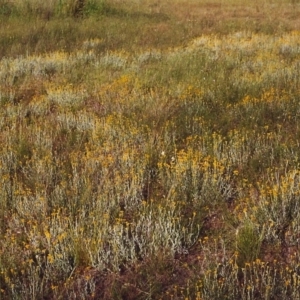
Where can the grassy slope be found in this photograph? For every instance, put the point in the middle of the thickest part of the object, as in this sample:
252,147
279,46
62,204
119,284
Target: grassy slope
150,150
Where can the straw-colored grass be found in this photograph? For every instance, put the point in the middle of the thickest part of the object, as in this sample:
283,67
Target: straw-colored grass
150,150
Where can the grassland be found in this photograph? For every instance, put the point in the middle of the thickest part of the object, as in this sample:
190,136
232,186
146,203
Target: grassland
150,149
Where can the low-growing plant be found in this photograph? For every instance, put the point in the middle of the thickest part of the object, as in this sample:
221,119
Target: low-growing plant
149,151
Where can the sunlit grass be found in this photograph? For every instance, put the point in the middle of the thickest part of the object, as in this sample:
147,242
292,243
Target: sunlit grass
149,151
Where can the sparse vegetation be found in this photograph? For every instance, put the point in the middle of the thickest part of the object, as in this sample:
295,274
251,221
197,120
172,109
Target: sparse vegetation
150,150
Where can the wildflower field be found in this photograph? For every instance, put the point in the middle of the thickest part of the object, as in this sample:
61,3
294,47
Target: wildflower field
150,149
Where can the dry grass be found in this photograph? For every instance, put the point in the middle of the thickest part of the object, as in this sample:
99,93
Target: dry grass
150,150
